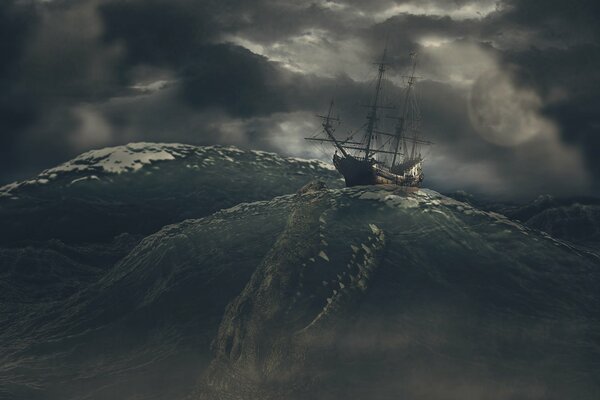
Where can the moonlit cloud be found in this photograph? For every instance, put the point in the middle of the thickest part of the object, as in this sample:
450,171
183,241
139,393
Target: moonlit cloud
289,132
503,113
433,41
458,63
92,130
151,87
467,10
313,52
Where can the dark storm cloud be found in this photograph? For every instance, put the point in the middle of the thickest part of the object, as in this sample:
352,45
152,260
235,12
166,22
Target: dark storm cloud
16,25
561,63
255,89
552,22
154,32
78,75
16,110
57,65
181,37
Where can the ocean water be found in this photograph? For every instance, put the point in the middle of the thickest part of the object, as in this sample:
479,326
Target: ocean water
265,293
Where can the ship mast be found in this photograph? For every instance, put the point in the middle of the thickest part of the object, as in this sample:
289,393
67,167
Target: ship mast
401,123
372,116
342,145
329,129
330,123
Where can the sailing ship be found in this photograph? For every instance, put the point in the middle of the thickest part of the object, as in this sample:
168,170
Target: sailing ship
379,157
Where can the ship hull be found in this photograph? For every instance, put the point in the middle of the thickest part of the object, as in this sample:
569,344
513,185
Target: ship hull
358,172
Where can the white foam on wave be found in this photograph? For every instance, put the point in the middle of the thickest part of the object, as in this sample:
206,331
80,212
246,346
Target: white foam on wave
134,156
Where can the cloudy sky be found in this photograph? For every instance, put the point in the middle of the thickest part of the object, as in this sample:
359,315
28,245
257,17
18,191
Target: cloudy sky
510,90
